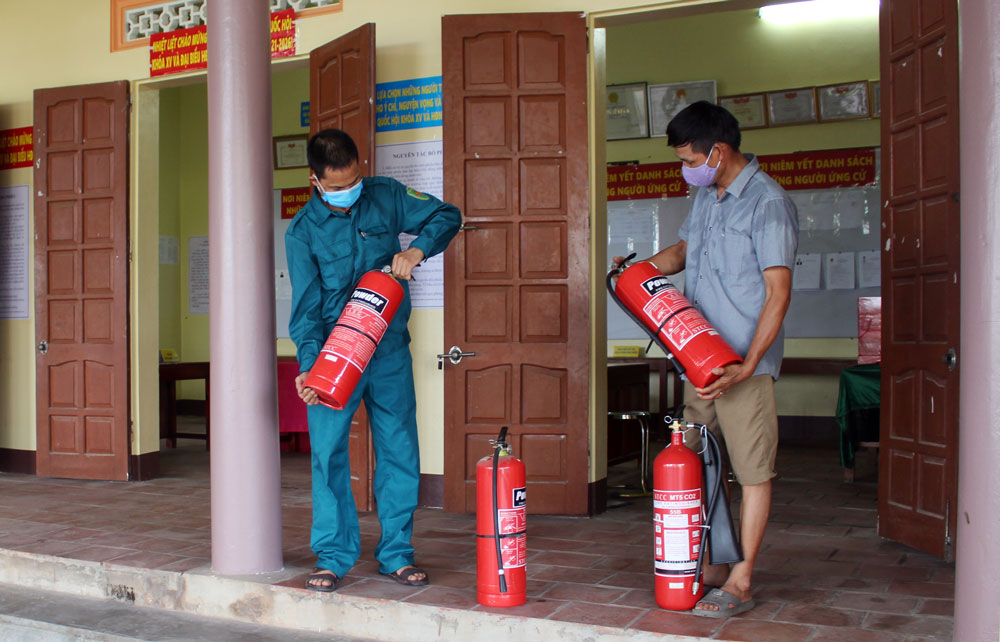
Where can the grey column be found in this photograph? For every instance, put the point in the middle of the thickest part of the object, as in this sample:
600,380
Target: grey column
246,475
977,581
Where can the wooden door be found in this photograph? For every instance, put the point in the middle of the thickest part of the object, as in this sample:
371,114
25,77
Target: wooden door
918,475
81,281
342,95
516,279
342,90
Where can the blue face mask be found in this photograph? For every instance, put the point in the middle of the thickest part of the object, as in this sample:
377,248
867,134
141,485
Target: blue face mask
342,198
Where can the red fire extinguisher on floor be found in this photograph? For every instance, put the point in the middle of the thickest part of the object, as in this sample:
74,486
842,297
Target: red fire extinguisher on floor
350,346
501,527
651,300
678,521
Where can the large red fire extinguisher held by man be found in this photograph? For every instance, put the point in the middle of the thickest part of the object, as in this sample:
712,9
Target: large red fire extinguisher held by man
651,300
501,527
351,344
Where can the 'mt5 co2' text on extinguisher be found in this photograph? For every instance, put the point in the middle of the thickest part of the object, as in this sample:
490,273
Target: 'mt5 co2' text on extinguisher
651,300
351,344
501,527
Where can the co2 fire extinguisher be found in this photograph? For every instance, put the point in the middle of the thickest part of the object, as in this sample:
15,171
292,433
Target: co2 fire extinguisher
501,527
351,344
678,521
680,481
651,300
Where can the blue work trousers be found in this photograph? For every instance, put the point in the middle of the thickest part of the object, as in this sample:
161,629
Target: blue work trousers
387,389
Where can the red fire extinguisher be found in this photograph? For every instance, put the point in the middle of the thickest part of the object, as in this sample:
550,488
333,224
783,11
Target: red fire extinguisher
355,336
690,341
678,521
501,527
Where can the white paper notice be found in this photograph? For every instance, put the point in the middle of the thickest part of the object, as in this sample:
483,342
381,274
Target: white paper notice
198,275
869,269
14,252
282,285
168,250
420,166
852,209
806,273
839,271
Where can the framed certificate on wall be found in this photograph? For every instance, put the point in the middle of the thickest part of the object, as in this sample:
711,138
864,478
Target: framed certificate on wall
625,111
749,109
845,101
668,99
792,106
290,151
875,91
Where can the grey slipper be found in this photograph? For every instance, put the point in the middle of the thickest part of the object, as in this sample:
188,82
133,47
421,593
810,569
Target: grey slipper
727,603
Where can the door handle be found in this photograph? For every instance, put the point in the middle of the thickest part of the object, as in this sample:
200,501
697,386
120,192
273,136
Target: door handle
43,346
950,359
454,355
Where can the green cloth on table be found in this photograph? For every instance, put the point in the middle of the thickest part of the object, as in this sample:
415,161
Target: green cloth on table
858,408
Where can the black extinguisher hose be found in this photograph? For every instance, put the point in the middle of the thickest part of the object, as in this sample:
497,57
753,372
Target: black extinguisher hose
501,444
654,337
713,497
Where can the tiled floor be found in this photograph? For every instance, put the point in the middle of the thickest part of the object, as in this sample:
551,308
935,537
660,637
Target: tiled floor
823,574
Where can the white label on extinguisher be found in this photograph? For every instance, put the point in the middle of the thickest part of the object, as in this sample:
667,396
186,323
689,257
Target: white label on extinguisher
677,529
365,327
513,549
684,326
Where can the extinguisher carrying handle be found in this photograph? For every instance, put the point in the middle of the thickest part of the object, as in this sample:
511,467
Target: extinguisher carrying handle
654,338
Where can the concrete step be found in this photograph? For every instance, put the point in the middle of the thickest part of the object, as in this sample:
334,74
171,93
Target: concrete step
259,601
31,615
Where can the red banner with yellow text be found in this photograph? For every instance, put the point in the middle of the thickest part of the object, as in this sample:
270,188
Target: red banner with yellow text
797,171
17,148
292,200
186,49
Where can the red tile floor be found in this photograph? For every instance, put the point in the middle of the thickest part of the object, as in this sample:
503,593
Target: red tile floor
823,573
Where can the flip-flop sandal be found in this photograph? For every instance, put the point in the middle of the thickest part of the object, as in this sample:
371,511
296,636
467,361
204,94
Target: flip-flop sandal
727,603
322,574
403,576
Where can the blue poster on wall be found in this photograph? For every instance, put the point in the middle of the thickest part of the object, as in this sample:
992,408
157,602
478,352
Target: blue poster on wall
304,114
408,104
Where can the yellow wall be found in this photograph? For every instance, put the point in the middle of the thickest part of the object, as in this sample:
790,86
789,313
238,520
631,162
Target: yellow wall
408,46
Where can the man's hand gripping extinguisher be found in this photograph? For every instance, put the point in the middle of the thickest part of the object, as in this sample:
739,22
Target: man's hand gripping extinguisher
680,515
692,345
501,527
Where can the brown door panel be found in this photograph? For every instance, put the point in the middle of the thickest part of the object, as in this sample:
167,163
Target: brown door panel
81,281
341,96
516,279
919,417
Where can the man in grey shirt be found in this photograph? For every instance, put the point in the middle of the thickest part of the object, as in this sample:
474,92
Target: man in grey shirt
738,248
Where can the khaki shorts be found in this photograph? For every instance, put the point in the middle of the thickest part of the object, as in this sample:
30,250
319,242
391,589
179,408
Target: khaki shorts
745,421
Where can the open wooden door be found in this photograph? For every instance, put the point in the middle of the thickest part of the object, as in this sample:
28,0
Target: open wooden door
342,95
918,467
81,281
516,279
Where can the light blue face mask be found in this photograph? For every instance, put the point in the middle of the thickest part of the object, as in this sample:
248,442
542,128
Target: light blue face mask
342,198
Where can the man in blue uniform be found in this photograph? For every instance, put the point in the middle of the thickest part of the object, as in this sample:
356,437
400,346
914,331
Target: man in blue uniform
350,226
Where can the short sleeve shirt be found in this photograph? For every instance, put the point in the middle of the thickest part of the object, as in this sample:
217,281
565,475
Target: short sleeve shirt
731,239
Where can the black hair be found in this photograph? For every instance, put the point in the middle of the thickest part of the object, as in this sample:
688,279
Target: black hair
703,124
330,148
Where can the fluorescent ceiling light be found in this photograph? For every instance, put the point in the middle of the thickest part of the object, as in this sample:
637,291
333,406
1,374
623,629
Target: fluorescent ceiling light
818,11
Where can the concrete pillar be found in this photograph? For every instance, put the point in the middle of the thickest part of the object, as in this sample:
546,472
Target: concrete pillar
246,476
977,581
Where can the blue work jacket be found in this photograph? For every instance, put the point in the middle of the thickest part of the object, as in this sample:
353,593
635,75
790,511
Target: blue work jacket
329,251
